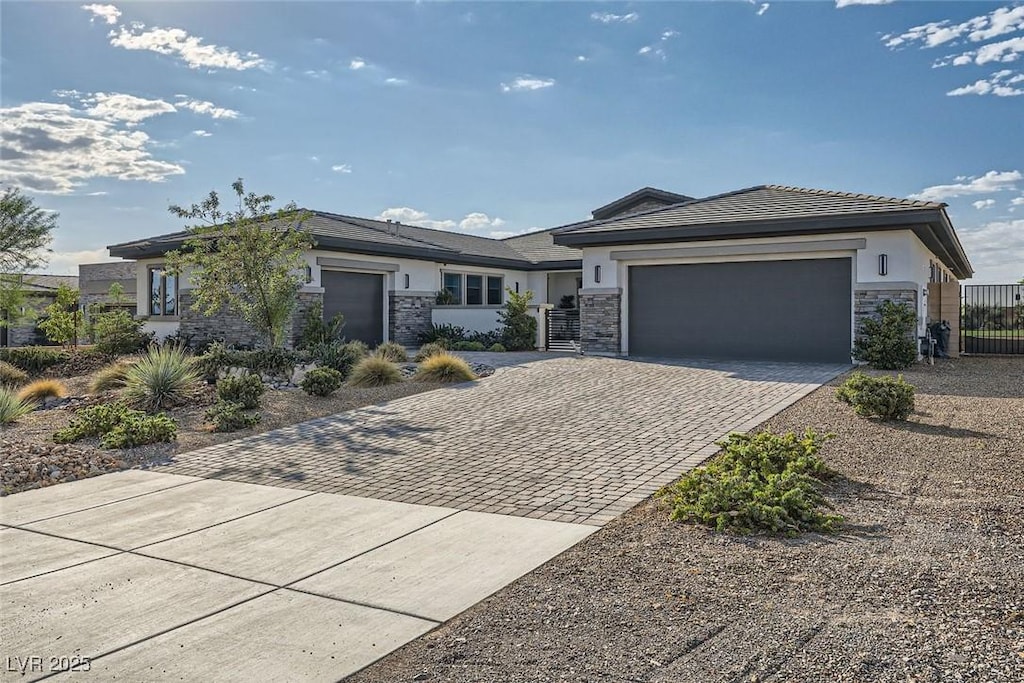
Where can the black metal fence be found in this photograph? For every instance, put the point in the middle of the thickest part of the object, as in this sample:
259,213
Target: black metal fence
992,319
563,329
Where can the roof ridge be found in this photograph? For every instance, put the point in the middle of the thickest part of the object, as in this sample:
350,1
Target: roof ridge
344,218
857,195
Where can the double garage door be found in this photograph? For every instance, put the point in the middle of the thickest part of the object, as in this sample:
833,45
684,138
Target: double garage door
360,298
796,310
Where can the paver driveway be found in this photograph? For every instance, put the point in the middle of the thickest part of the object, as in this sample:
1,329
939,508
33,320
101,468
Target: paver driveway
564,438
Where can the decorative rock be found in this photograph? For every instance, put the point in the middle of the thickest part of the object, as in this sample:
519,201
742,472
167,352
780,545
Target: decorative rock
28,465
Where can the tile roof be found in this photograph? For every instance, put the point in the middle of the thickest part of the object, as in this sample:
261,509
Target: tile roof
539,246
47,283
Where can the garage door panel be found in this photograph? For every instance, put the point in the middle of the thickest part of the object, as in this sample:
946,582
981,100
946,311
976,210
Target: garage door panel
796,310
360,298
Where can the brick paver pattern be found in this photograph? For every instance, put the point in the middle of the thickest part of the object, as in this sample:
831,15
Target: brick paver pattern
568,439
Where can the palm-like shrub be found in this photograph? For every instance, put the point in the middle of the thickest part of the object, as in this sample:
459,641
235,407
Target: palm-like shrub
428,350
374,372
11,376
12,407
109,378
392,352
444,367
42,389
164,377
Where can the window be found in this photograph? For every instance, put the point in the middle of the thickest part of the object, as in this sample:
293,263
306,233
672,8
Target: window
474,290
163,293
453,283
495,286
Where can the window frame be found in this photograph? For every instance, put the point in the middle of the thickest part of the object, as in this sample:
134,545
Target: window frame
161,272
501,290
463,298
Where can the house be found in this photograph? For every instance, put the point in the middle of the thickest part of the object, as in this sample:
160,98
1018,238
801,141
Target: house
767,272
19,328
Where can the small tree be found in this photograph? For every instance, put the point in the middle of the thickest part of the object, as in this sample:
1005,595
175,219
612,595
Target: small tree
62,321
519,332
116,331
24,232
888,341
14,306
248,260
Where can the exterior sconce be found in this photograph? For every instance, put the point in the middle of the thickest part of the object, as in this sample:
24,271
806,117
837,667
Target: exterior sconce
309,274
407,280
597,273
883,264
517,287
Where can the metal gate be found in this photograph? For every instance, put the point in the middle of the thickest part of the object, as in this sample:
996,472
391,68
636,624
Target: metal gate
992,319
563,329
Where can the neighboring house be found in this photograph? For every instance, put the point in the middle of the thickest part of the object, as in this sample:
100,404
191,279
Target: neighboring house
40,291
95,280
767,272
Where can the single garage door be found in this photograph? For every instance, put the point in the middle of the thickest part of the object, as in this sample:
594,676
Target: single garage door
360,298
765,310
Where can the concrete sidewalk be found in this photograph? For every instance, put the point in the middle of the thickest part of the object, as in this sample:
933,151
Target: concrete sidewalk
154,576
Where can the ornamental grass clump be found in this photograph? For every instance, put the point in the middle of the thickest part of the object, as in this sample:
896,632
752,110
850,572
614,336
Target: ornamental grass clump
428,350
164,377
11,376
12,407
760,483
42,389
391,351
374,372
446,368
889,398
110,378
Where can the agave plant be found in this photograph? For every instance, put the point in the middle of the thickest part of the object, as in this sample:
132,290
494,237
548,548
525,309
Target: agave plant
164,377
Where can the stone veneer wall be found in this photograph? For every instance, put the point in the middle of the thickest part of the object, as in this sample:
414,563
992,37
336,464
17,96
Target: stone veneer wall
866,301
231,328
600,321
408,316
307,300
94,280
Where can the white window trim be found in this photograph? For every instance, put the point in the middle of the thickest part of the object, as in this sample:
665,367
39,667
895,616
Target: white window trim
483,288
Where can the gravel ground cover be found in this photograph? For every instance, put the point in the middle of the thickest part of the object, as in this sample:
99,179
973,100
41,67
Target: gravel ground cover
923,584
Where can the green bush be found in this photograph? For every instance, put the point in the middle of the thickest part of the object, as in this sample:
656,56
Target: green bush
34,359
95,421
392,352
888,341
497,348
446,334
316,330
110,377
230,416
322,381
12,407
162,378
245,390
11,376
138,429
374,372
444,367
764,482
62,321
118,333
519,331
340,357
890,398
275,362
468,346
428,350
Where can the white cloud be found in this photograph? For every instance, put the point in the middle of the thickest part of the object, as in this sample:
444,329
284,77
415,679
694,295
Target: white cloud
341,168
1017,201
396,81
582,58
108,13
121,107
977,29
202,133
190,49
67,262
849,3
319,74
206,108
479,221
1000,84
983,204
763,8
668,35
996,249
1003,51
993,181
609,18
54,148
527,83
476,221
357,64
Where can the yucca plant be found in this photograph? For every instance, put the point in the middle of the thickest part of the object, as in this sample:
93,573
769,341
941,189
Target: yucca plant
444,367
111,377
162,378
42,389
374,372
12,407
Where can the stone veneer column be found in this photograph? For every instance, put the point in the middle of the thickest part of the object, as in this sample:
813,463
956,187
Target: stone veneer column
409,316
601,321
306,301
865,301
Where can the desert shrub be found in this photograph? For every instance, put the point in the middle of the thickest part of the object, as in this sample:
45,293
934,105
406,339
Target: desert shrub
485,338
322,381
230,416
444,367
428,350
497,348
42,389
62,321
392,352
316,330
887,341
12,407
468,346
340,357
118,333
446,334
358,348
275,362
890,398
109,378
519,328
138,429
764,482
34,359
245,390
163,377
11,376
374,372
94,421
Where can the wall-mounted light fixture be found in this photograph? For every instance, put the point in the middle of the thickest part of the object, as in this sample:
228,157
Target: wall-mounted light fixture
597,273
517,287
407,280
309,274
883,264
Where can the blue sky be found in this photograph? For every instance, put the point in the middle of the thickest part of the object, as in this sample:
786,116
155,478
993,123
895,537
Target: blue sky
500,117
